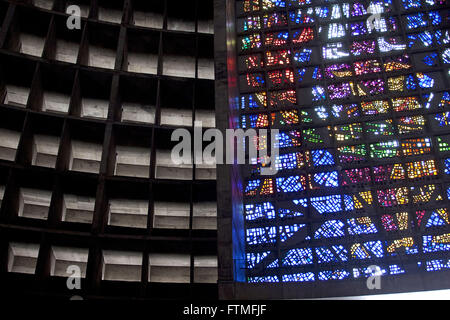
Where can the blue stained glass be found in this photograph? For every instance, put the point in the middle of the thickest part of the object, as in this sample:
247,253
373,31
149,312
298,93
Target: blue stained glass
301,73
299,277
443,119
303,56
261,235
396,269
327,179
435,18
335,253
327,204
322,158
409,4
254,258
448,193
437,265
330,229
333,275
284,140
317,74
286,161
298,257
425,37
273,264
263,279
416,21
357,228
410,83
447,166
430,59
318,93
368,249
322,12
425,81
446,56
289,184
321,112
431,245
435,220
288,231
349,203
264,210
252,185
302,17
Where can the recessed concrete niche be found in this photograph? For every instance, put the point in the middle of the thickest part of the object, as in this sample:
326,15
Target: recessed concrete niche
204,216
176,117
2,194
166,169
8,144
45,151
139,113
66,51
31,44
148,19
206,68
121,266
178,24
16,96
179,66
62,258
109,15
78,209
207,117
55,102
142,63
34,203
102,57
132,162
205,171
94,108
85,156
44,4
206,26
128,213
171,215
169,268
205,269
22,257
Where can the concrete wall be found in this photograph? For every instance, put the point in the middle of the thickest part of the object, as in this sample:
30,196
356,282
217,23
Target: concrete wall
176,117
2,194
78,209
178,24
207,117
205,216
206,68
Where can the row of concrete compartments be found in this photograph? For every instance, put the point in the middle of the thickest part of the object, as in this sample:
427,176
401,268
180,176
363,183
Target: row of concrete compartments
100,57
98,109
144,19
86,157
131,213
116,265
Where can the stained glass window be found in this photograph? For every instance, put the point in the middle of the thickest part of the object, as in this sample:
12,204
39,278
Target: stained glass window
363,113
